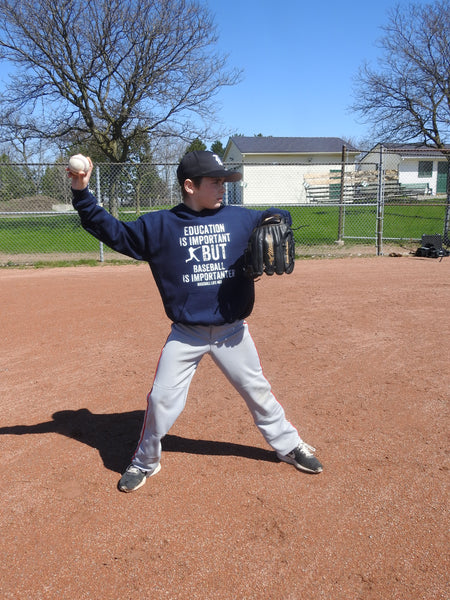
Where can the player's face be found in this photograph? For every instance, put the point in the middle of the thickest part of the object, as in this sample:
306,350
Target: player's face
208,195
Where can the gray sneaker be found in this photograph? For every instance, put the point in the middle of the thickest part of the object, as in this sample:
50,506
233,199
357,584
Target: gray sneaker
134,478
302,458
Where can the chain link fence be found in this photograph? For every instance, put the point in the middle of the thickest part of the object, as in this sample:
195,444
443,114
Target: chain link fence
376,206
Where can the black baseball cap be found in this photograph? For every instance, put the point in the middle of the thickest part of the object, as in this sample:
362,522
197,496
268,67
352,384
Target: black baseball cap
202,163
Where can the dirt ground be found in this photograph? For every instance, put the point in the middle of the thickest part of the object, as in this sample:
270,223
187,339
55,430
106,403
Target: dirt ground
356,350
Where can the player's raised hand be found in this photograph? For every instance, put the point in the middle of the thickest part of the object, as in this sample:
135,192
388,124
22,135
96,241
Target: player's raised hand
79,170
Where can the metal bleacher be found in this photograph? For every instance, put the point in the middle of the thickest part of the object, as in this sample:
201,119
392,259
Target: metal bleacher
362,193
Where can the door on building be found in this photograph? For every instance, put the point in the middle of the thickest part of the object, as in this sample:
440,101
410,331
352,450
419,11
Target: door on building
441,186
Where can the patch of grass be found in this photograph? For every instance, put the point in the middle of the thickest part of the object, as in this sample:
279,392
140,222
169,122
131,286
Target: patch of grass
40,264
46,264
48,233
320,224
313,225
83,263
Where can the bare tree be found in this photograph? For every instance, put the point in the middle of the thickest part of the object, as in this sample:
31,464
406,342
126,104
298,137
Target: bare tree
407,98
109,72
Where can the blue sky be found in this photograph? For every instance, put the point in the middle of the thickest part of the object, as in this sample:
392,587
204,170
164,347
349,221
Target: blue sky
299,60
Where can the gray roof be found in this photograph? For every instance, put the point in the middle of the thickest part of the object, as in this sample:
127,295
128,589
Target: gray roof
412,149
292,145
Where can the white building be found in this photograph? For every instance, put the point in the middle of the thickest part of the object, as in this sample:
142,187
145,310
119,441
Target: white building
417,165
279,170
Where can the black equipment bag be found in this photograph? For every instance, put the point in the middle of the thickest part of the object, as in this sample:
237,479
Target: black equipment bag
432,247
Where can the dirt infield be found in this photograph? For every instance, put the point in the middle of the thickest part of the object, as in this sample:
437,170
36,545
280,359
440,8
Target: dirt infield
356,350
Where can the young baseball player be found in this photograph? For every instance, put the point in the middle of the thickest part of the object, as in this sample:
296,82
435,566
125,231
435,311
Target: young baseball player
195,252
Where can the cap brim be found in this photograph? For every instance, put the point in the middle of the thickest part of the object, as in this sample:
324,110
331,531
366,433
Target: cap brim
227,175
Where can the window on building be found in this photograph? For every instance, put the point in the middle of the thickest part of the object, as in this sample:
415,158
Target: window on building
425,168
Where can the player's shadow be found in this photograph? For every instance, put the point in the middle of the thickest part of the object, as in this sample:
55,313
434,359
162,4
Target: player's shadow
116,435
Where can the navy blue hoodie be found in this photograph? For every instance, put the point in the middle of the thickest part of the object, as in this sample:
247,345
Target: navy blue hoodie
196,257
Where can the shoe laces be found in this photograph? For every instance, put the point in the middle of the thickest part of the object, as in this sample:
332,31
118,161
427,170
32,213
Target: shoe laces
134,470
306,449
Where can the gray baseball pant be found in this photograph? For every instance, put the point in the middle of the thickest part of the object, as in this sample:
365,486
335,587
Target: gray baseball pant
232,348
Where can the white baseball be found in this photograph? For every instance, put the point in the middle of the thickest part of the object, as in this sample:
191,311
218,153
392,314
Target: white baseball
78,164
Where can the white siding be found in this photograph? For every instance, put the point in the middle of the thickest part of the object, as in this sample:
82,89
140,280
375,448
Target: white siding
270,184
408,172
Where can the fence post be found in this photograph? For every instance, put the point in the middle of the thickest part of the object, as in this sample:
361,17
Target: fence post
97,185
341,198
380,203
446,239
